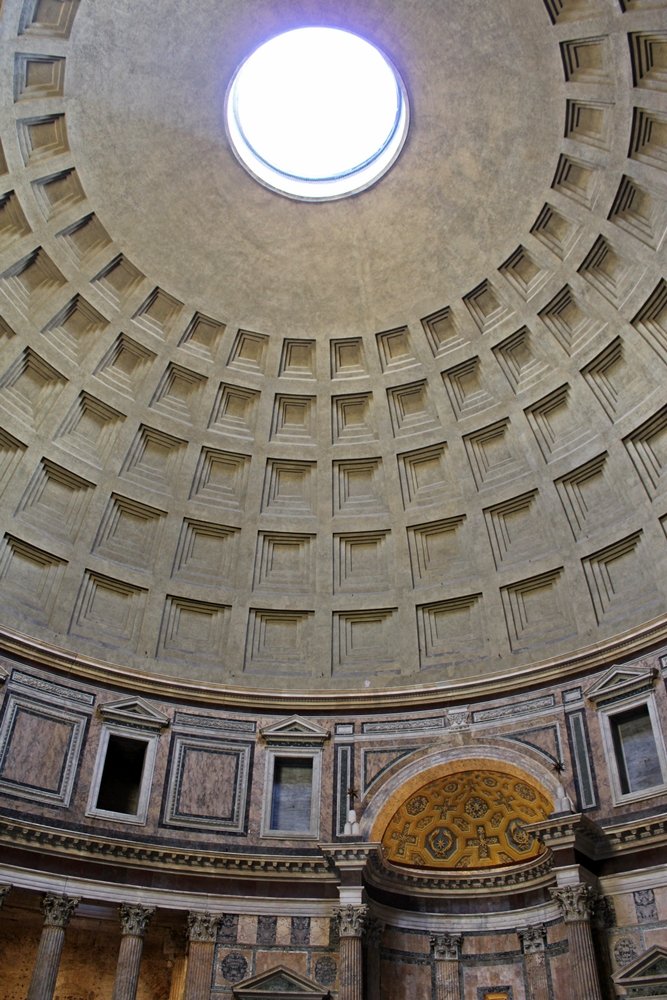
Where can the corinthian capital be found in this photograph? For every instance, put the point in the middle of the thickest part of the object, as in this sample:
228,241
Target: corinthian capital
203,926
446,947
532,938
135,919
58,910
576,902
352,920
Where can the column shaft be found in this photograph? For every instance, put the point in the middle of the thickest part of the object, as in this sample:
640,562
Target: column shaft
57,912
177,986
45,972
127,970
351,973
585,979
200,970
447,979
536,974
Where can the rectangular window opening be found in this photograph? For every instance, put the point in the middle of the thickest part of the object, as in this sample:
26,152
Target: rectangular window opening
120,786
635,750
292,793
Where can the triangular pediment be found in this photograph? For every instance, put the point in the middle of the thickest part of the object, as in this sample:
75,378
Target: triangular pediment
295,731
649,970
621,682
280,981
134,712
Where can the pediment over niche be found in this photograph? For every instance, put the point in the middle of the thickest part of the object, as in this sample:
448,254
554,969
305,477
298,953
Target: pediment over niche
134,712
295,731
645,976
621,682
280,981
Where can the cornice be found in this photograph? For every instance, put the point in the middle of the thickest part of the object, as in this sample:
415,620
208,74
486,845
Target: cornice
598,842
66,843
550,671
471,882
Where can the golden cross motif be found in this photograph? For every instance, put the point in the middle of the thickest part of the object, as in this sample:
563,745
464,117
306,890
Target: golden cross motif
482,842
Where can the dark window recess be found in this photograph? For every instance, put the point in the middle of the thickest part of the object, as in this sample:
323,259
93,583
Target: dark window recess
635,749
292,794
121,777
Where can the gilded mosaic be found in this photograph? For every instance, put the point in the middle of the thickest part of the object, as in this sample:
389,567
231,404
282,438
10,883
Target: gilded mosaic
472,819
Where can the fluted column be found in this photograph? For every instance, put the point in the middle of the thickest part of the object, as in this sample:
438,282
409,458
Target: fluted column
351,925
178,974
446,950
133,923
57,912
535,961
576,903
202,934
374,929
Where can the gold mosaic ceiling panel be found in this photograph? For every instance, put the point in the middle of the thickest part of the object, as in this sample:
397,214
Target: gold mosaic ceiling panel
472,819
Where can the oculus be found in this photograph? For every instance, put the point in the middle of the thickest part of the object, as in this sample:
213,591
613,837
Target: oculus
316,113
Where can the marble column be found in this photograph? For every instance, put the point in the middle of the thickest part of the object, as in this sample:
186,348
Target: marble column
202,934
533,940
351,926
57,912
446,951
178,974
576,903
133,923
374,929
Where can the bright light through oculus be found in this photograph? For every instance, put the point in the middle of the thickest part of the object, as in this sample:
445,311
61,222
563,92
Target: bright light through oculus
317,113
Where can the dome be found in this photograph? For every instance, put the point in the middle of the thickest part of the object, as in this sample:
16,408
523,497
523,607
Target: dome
333,531
413,438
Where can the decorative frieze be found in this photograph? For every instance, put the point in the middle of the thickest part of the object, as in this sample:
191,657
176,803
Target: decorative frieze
645,907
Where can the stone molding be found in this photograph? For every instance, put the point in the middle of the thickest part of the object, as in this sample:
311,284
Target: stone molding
203,926
634,641
446,947
352,920
576,902
134,920
71,843
539,871
58,910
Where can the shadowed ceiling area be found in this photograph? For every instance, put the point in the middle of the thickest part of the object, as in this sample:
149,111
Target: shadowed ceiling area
417,436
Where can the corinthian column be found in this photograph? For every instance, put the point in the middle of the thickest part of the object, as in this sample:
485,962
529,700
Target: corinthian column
202,933
133,923
351,924
534,960
57,912
446,950
576,903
